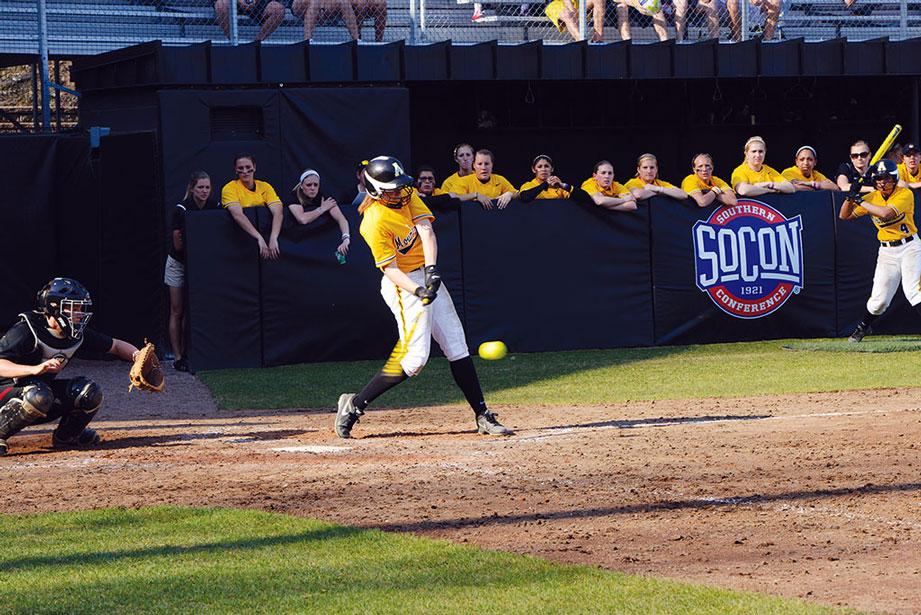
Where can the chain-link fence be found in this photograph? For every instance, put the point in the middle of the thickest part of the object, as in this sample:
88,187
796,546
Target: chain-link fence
76,27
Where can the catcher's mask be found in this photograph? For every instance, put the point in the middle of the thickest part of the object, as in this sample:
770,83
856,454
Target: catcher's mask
68,303
387,182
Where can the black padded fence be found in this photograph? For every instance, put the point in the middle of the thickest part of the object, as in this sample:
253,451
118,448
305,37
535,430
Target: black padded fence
91,214
550,275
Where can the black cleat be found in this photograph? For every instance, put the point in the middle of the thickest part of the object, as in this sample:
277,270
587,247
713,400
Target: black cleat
88,438
346,415
489,425
859,333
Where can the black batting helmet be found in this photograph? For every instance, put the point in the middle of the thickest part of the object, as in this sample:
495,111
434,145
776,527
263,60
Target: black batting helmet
384,174
68,302
885,169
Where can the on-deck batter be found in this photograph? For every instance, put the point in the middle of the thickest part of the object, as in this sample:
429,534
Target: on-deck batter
397,226
893,212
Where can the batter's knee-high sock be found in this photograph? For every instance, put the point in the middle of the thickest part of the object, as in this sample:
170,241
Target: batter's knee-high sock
868,319
380,384
465,376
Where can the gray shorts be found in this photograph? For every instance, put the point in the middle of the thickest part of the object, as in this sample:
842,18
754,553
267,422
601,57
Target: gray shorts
174,274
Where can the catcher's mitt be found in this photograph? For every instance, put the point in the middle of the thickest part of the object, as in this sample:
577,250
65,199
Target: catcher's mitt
145,373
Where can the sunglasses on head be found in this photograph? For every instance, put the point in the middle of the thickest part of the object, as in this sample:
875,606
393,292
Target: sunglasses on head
860,154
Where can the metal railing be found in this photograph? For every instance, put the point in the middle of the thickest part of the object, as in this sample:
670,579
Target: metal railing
80,27
37,33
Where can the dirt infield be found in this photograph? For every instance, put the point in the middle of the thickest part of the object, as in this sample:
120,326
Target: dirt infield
816,496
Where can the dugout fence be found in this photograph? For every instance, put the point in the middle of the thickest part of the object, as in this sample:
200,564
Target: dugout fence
544,276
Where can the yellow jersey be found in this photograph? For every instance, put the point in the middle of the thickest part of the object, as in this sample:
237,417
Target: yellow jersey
391,233
235,193
692,183
902,200
549,193
592,187
793,173
450,184
639,184
907,177
493,187
743,173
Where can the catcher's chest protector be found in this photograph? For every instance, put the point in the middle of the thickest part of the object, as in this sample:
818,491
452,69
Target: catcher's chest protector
48,345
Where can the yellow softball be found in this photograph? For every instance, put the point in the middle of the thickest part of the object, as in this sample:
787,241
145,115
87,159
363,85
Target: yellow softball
493,351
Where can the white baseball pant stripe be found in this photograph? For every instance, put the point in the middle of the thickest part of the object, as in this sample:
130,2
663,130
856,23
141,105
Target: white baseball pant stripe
438,319
894,265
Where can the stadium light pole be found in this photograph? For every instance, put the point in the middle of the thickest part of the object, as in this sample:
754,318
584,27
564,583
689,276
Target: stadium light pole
43,65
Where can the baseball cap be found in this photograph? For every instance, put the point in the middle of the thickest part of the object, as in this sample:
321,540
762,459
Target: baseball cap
909,148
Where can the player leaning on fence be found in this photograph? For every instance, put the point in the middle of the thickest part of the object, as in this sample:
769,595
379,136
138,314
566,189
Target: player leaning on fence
247,191
892,209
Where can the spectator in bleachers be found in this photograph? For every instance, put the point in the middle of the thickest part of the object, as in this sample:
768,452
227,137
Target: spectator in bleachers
910,169
623,19
856,168
197,198
310,10
605,192
564,15
376,10
267,13
463,156
708,8
769,9
545,184
311,204
705,187
484,185
247,191
647,184
753,177
803,174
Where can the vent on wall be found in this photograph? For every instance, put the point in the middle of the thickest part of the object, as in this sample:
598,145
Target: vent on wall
237,124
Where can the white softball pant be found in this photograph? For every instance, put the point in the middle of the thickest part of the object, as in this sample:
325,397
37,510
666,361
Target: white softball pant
893,265
418,324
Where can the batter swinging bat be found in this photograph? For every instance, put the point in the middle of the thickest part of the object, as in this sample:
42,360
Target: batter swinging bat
887,143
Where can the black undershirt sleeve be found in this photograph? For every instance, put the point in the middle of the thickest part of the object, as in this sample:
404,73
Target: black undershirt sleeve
526,196
17,343
94,344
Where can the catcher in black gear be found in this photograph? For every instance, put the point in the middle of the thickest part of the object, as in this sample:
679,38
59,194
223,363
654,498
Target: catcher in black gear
36,349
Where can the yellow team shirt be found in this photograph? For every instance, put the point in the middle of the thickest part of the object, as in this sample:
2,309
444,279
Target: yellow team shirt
907,177
793,173
450,184
391,233
639,184
494,187
235,193
744,174
692,183
549,193
901,200
592,187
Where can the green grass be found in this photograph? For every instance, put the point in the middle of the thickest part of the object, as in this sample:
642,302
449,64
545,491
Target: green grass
172,560
584,377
